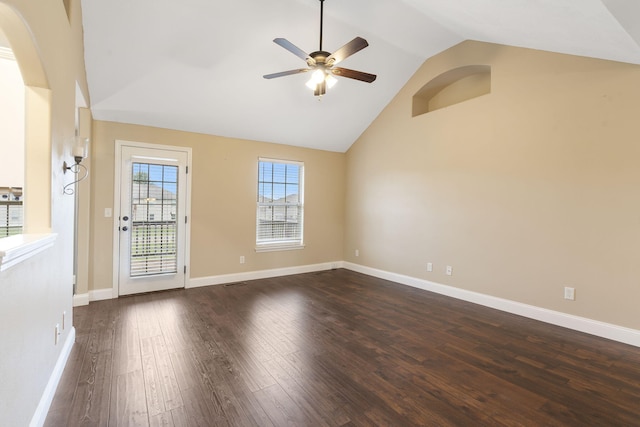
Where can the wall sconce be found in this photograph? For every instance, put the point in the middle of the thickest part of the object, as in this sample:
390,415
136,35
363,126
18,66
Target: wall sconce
79,152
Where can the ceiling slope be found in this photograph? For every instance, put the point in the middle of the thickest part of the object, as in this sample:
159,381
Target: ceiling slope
197,65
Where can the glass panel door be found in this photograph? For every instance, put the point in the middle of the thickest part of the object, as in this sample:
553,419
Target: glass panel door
152,241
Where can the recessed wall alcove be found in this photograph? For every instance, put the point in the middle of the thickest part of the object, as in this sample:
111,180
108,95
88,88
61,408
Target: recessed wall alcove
452,87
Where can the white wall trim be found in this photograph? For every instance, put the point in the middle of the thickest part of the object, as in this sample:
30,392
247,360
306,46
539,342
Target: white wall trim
40,414
260,274
21,247
81,299
91,296
582,324
101,294
108,293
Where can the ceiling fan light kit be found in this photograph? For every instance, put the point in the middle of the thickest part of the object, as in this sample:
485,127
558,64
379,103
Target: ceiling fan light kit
322,64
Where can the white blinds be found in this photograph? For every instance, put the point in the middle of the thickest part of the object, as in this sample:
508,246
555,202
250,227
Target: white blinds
154,215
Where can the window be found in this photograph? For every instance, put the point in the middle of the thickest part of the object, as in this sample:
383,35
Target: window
280,205
10,211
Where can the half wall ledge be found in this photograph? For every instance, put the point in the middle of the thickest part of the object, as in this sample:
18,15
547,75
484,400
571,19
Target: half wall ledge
21,247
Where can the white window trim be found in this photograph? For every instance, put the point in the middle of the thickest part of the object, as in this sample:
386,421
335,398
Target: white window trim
21,247
283,245
272,247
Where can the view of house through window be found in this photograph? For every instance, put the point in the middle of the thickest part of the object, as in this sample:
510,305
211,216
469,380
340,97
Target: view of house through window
153,212
280,203
11,214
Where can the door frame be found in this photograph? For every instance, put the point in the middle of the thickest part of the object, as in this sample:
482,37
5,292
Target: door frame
117,182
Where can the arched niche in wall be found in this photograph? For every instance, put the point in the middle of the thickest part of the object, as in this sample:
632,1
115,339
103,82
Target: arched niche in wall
452,87
37,179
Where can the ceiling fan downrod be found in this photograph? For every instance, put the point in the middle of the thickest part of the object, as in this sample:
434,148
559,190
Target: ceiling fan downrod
321,16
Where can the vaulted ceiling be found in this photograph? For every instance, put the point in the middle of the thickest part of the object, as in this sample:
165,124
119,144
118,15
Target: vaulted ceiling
197,65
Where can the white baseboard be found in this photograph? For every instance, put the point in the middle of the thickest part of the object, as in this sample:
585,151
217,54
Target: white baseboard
101,294
97,295
80,300
261,274
40,415
104,294
582,324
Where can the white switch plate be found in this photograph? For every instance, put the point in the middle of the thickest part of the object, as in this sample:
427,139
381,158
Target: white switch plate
242,259
429,266
449,270
357,252
569,293
107,212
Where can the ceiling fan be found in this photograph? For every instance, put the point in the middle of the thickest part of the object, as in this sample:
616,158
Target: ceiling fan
323,64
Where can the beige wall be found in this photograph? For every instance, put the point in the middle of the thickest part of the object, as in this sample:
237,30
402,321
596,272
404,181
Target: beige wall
523,191
223,201
35,293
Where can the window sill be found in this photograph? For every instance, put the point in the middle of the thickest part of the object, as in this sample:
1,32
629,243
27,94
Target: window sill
21,247
279,247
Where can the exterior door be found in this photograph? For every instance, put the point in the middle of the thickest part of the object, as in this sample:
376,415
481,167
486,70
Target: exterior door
152,219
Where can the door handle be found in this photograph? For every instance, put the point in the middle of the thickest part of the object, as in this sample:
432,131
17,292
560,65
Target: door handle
125,228
125,218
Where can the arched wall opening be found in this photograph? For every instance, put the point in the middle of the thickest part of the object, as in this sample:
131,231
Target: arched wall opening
452,87
37,121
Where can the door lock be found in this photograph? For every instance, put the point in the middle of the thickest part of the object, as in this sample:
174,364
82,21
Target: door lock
125,228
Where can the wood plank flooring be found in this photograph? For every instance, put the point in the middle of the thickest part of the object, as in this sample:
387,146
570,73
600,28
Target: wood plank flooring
335,348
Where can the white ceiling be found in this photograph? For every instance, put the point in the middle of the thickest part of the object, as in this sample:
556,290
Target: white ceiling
197,65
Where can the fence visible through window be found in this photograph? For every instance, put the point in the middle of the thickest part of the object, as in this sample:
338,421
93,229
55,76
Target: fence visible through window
154,213
11,211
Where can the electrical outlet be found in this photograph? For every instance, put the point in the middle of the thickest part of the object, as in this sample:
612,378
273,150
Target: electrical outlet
449,270
429,266
357,252
242,259
569,293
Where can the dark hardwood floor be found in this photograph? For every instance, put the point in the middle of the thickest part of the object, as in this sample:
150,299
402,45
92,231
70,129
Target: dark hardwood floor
335,348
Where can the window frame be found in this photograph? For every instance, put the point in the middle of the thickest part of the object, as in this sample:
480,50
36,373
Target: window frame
274,244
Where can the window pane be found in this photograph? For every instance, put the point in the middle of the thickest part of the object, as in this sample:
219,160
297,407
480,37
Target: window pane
140,172
264,172
292,174
170,174
154,214
267,191
279,214
278,192
292,193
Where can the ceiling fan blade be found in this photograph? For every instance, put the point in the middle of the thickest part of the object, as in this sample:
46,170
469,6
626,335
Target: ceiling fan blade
353,74
347,50
285,73
293,49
